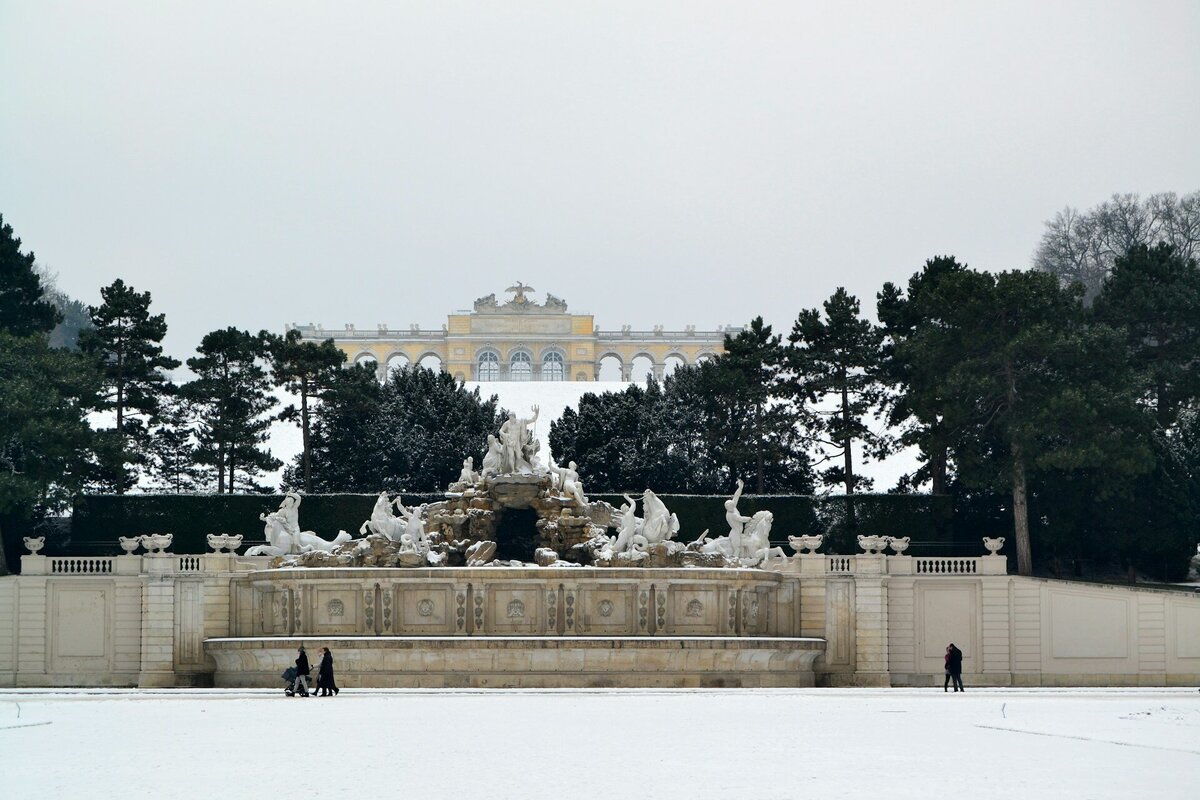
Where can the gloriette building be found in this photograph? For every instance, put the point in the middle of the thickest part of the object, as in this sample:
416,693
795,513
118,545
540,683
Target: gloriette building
523,340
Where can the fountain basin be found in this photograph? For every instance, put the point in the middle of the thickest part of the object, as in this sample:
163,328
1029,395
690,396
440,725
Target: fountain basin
526,661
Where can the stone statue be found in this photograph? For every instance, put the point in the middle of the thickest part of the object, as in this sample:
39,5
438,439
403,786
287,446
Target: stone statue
735,519
486,302
658,524
383,521
414,530
756,541
638,535
554,303
281,529
569,484
628,527
518,447
493,460
289,513
520,289
468,475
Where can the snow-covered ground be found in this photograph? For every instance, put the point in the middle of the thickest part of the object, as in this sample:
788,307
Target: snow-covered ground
819,743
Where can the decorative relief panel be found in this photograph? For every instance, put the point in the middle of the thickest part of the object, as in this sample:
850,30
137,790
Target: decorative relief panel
609,608
693,609
513,608
428,608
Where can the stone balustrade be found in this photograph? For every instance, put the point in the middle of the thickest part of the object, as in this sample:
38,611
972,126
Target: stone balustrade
879,564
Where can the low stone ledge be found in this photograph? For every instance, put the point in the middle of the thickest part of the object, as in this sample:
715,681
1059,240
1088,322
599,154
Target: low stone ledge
516,661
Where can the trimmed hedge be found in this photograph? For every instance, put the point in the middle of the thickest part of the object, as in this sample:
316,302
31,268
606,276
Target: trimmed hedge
99,519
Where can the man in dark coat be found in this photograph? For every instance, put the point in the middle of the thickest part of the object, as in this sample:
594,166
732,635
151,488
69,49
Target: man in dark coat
325,680
302,673
954,659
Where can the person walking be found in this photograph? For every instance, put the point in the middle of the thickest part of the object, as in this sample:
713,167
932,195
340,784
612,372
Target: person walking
325,681
302,673
954,659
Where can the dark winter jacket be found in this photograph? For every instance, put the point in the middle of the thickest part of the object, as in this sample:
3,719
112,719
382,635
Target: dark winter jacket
325,671
954,661
302,664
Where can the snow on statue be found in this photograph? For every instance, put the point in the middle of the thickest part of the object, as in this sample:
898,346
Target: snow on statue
283,534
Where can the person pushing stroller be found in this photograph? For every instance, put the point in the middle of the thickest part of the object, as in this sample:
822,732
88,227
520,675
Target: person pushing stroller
297,676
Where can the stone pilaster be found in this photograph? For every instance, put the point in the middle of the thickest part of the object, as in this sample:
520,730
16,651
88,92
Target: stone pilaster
871,622
158,622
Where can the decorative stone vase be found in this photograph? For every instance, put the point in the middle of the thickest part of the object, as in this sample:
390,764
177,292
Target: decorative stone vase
129,543
224,541
993,545
35,544
873,545
898,544
807,544
157,542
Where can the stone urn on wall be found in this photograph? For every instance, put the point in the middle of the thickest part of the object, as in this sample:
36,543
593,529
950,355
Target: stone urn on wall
807,544
899,544
873,545
156,543
224,541
34,544
129,543
993,545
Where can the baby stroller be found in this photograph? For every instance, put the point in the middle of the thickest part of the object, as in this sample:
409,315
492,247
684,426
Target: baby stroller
289,675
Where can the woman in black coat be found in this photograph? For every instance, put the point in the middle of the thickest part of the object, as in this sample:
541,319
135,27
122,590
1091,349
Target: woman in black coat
325,680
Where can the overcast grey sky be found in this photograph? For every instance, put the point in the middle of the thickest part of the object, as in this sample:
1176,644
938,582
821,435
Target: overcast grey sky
254,163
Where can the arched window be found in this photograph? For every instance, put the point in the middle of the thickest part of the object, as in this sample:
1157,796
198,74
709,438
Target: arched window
397,361
489,367
520,367
552,367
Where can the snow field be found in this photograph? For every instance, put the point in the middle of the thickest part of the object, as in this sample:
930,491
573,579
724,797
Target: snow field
784,743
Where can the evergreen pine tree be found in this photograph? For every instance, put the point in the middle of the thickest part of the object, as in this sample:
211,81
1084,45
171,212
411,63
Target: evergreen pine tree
306,369
124,346
1153,294
231,398
838,357
916,411
24,308
172,449
1028,385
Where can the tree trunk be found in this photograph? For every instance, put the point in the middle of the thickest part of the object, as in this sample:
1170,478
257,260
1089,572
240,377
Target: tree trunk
221,467
120,424
937,468
304,436
847,457
1021,512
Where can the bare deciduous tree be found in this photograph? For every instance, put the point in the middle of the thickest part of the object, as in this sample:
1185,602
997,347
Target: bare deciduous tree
1081,246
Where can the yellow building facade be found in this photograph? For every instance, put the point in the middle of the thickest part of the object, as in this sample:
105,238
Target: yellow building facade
523,340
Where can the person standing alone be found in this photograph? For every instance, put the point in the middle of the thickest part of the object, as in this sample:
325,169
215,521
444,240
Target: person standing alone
954,659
